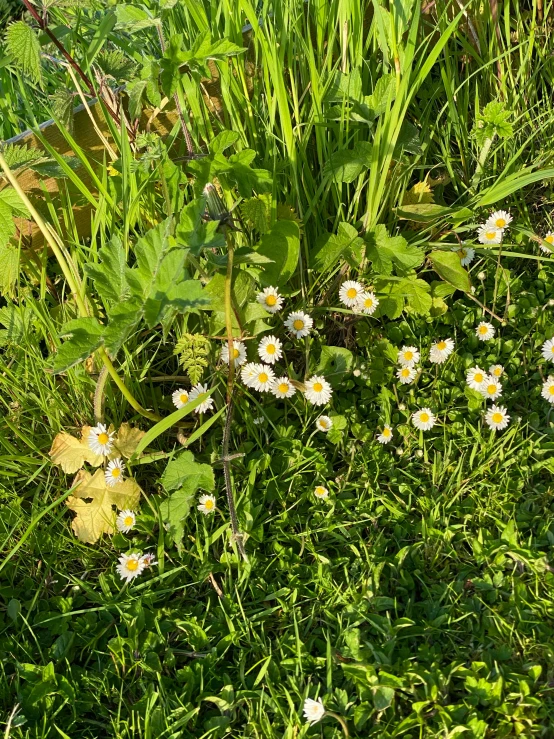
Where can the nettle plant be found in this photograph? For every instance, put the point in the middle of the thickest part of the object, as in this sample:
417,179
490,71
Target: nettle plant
213,267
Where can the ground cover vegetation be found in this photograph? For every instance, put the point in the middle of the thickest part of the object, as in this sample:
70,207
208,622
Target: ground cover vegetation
276,437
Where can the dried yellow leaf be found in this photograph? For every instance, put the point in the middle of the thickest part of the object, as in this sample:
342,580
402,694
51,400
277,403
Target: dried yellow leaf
126,441
71,453
93,502
419,193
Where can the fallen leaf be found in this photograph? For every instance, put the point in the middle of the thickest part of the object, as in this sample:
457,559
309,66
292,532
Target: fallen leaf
126,441
71,453
93,502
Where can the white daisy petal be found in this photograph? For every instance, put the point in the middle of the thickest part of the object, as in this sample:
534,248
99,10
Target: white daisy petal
424,419
549,238
406,375
207,404
269,349
125,521
548,389
496,370
386,435
314,711
206,504
130,566
270,299
321,492
547,350
180,398
299,324
499,219
497,418
485,331
489,234
408,356
239,353
441,350
282,387
491,389
350,293
114,472
324,423
317,390
100,440
367,303
475,378
466,254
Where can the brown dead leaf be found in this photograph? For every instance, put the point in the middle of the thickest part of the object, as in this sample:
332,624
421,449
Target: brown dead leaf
126,441
71,453
93,502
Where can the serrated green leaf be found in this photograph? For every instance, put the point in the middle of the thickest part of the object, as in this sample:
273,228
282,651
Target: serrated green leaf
184,472
255,212
135,91
223,141
7,226
9,197
448,266
386,252
109,275
85,336
62,107
282,245
23,46
9,267
348,164
133,18
330,247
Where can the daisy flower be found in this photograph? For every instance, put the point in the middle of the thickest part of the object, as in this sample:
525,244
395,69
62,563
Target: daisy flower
299,324
317,390
466,254
248,373
314,711
367,303
497,418
441,350
548,389
499,219
321,492
206,504
100,440
485,331
239,353
180,398
114,472
496,370
130,566
386,435
549,238
149,559
324,423
125,521
263,378
547,350
282,387
475,378
270,299
270,350
491,389
406,375
489,234
207,405
350,293
423,419
408,356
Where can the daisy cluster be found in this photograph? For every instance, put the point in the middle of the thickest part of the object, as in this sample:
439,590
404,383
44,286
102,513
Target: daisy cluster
354,295
492,231
100,441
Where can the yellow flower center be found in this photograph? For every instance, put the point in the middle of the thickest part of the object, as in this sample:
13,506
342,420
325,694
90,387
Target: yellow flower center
441,346
551,390
497,371
235,353
386,432
491,389
283,387
103,438
368,303
298,324
262,377
408,356
497,417
500,222
424,417
132,564
552,349
116,472
128,521
184,398
270,300
351,292
318,387
270,349
209,504
320,490
483,329
405,372
490,235
478,377
549,239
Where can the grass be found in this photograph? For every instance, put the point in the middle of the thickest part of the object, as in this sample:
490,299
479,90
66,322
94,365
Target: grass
417,601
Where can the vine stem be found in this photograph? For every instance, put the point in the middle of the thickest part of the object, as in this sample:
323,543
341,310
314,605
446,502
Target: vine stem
237,534
71,280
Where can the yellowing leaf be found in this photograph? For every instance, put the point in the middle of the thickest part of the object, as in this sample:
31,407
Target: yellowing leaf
71,453
93,502
126,441
419,193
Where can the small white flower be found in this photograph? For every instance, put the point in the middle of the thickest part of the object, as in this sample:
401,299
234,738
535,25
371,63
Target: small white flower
489,234
282,387
406,375
441,350
481,276
314,711
324,423
475,378
466,254
549,238
269,349
497,418
270,299
350,293
496,370
239,353
180,398
367,303
548,389
114,472
125,521
408,356
386,435
423,419
548,350
149,559
206,504
263,378
299,324
491,389
130,566
100,440
321,492
207,405
485,331
499,219
317,390
248,373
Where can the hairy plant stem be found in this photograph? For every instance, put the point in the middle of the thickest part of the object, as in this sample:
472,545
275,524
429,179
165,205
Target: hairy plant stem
225,459
99,395
72,280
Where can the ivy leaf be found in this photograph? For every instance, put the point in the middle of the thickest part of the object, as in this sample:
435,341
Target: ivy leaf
387,252
448,266
282,245
109,277
348,164
23,46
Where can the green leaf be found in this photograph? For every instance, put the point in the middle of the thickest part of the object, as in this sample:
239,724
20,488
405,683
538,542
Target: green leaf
109,276
9,268
383,697
223,141
7,226
85,337
282,245
423,212
194,233
255,212
448,266
16,321
133,18
9,197
387,252
62,102
416,294
23,46
347,86
330,247
347,164
135,91
334,363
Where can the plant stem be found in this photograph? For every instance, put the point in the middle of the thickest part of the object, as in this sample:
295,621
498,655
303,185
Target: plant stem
99,395
341,721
